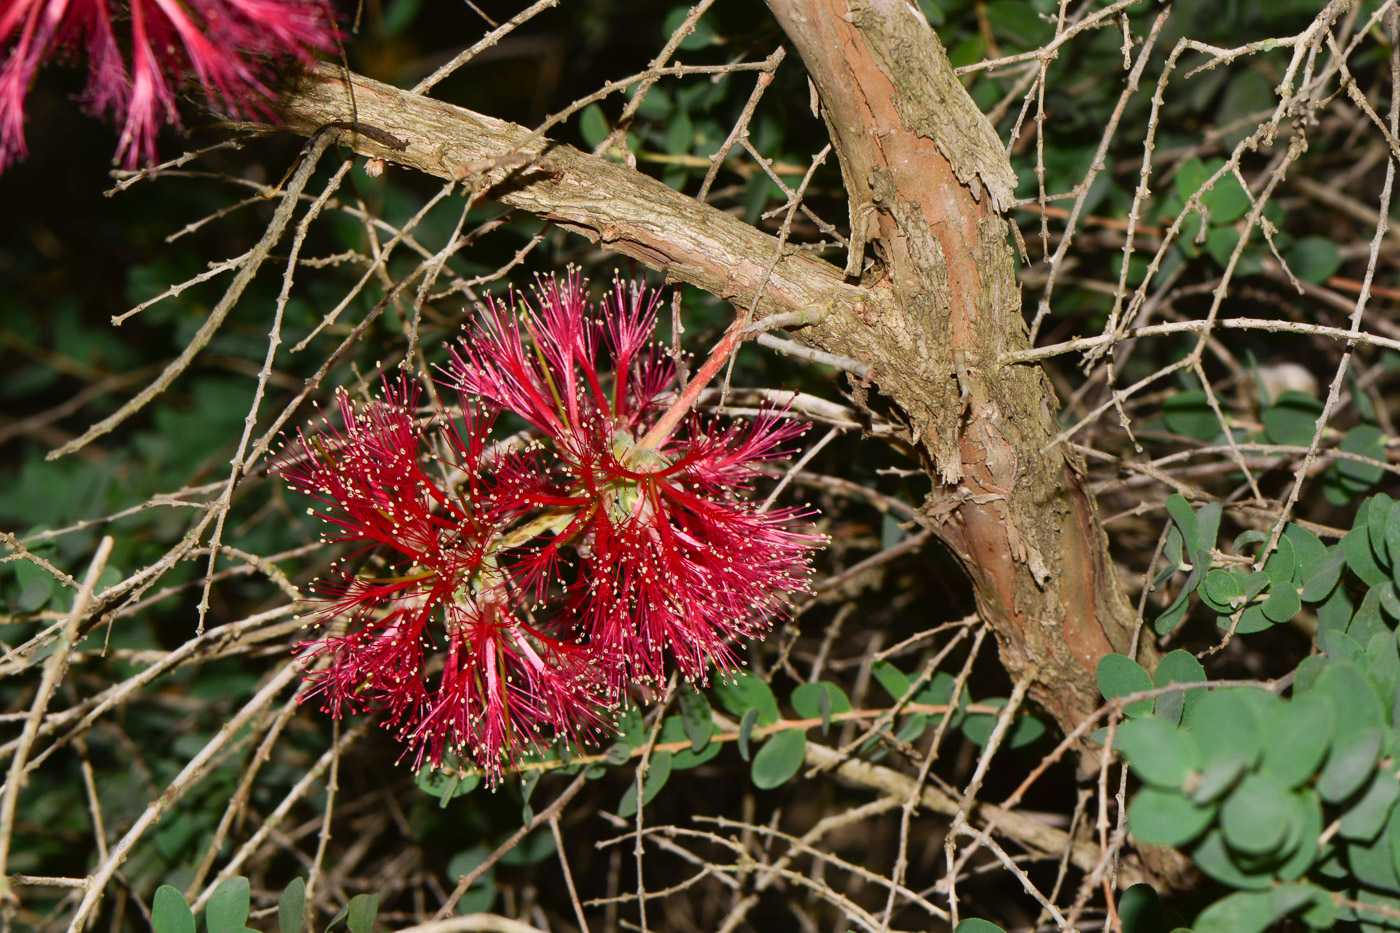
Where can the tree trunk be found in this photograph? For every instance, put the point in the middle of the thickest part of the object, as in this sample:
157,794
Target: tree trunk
928,180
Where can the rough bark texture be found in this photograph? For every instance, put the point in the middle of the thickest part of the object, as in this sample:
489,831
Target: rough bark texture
928,180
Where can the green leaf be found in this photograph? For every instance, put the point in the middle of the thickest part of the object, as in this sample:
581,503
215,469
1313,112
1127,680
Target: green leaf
1166,818
1159,752
1251,620
1335,612
1118,676
1180,511
36,585
1221,243
1392,540
1256,816
1213,858
1140,909
170,913
361,911
1233,914
482,893
227,911
1303,835
1314,259
1282,562
1198,529
658,771
1389,600
1391,839
291,907
1366,817
1283,602
679,135
1364,440
1339,646
1190,175
1355,705
1292,419
746,725
673,733
1017,23
1171,617
808,702
1227,201
1349,765
779,759
629,727
1340,490
1223,590
1374,863
895,681
1217,778
1224,726
1208,525
938,691
977,727
1300,732
1321,575
697,717
443,786
531,850
1190,414
1177,667
1307,547
1356,545
1241,912
743,692
1377,520
1249,538
703,35
1172,550
529,780
593,126
913,726
973,925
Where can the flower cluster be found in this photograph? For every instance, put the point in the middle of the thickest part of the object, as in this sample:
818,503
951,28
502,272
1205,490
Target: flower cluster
516,587
139,52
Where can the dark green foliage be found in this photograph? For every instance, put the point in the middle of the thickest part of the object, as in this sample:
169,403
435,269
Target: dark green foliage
1246,780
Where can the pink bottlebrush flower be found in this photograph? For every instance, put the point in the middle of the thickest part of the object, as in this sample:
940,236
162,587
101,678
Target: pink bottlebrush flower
433,522
672,560
139,53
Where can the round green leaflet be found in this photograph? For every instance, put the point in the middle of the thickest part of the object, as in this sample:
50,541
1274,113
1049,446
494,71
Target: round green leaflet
1119,676
170,913
779,759
1159,752
1166,818
1256,816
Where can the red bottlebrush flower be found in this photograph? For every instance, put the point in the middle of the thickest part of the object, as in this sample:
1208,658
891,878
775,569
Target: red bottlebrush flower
674,561
433,521
225,45
640,555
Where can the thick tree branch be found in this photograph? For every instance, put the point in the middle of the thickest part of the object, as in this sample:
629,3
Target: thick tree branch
608,203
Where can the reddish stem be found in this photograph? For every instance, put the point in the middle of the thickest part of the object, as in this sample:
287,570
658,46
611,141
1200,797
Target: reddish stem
681,406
